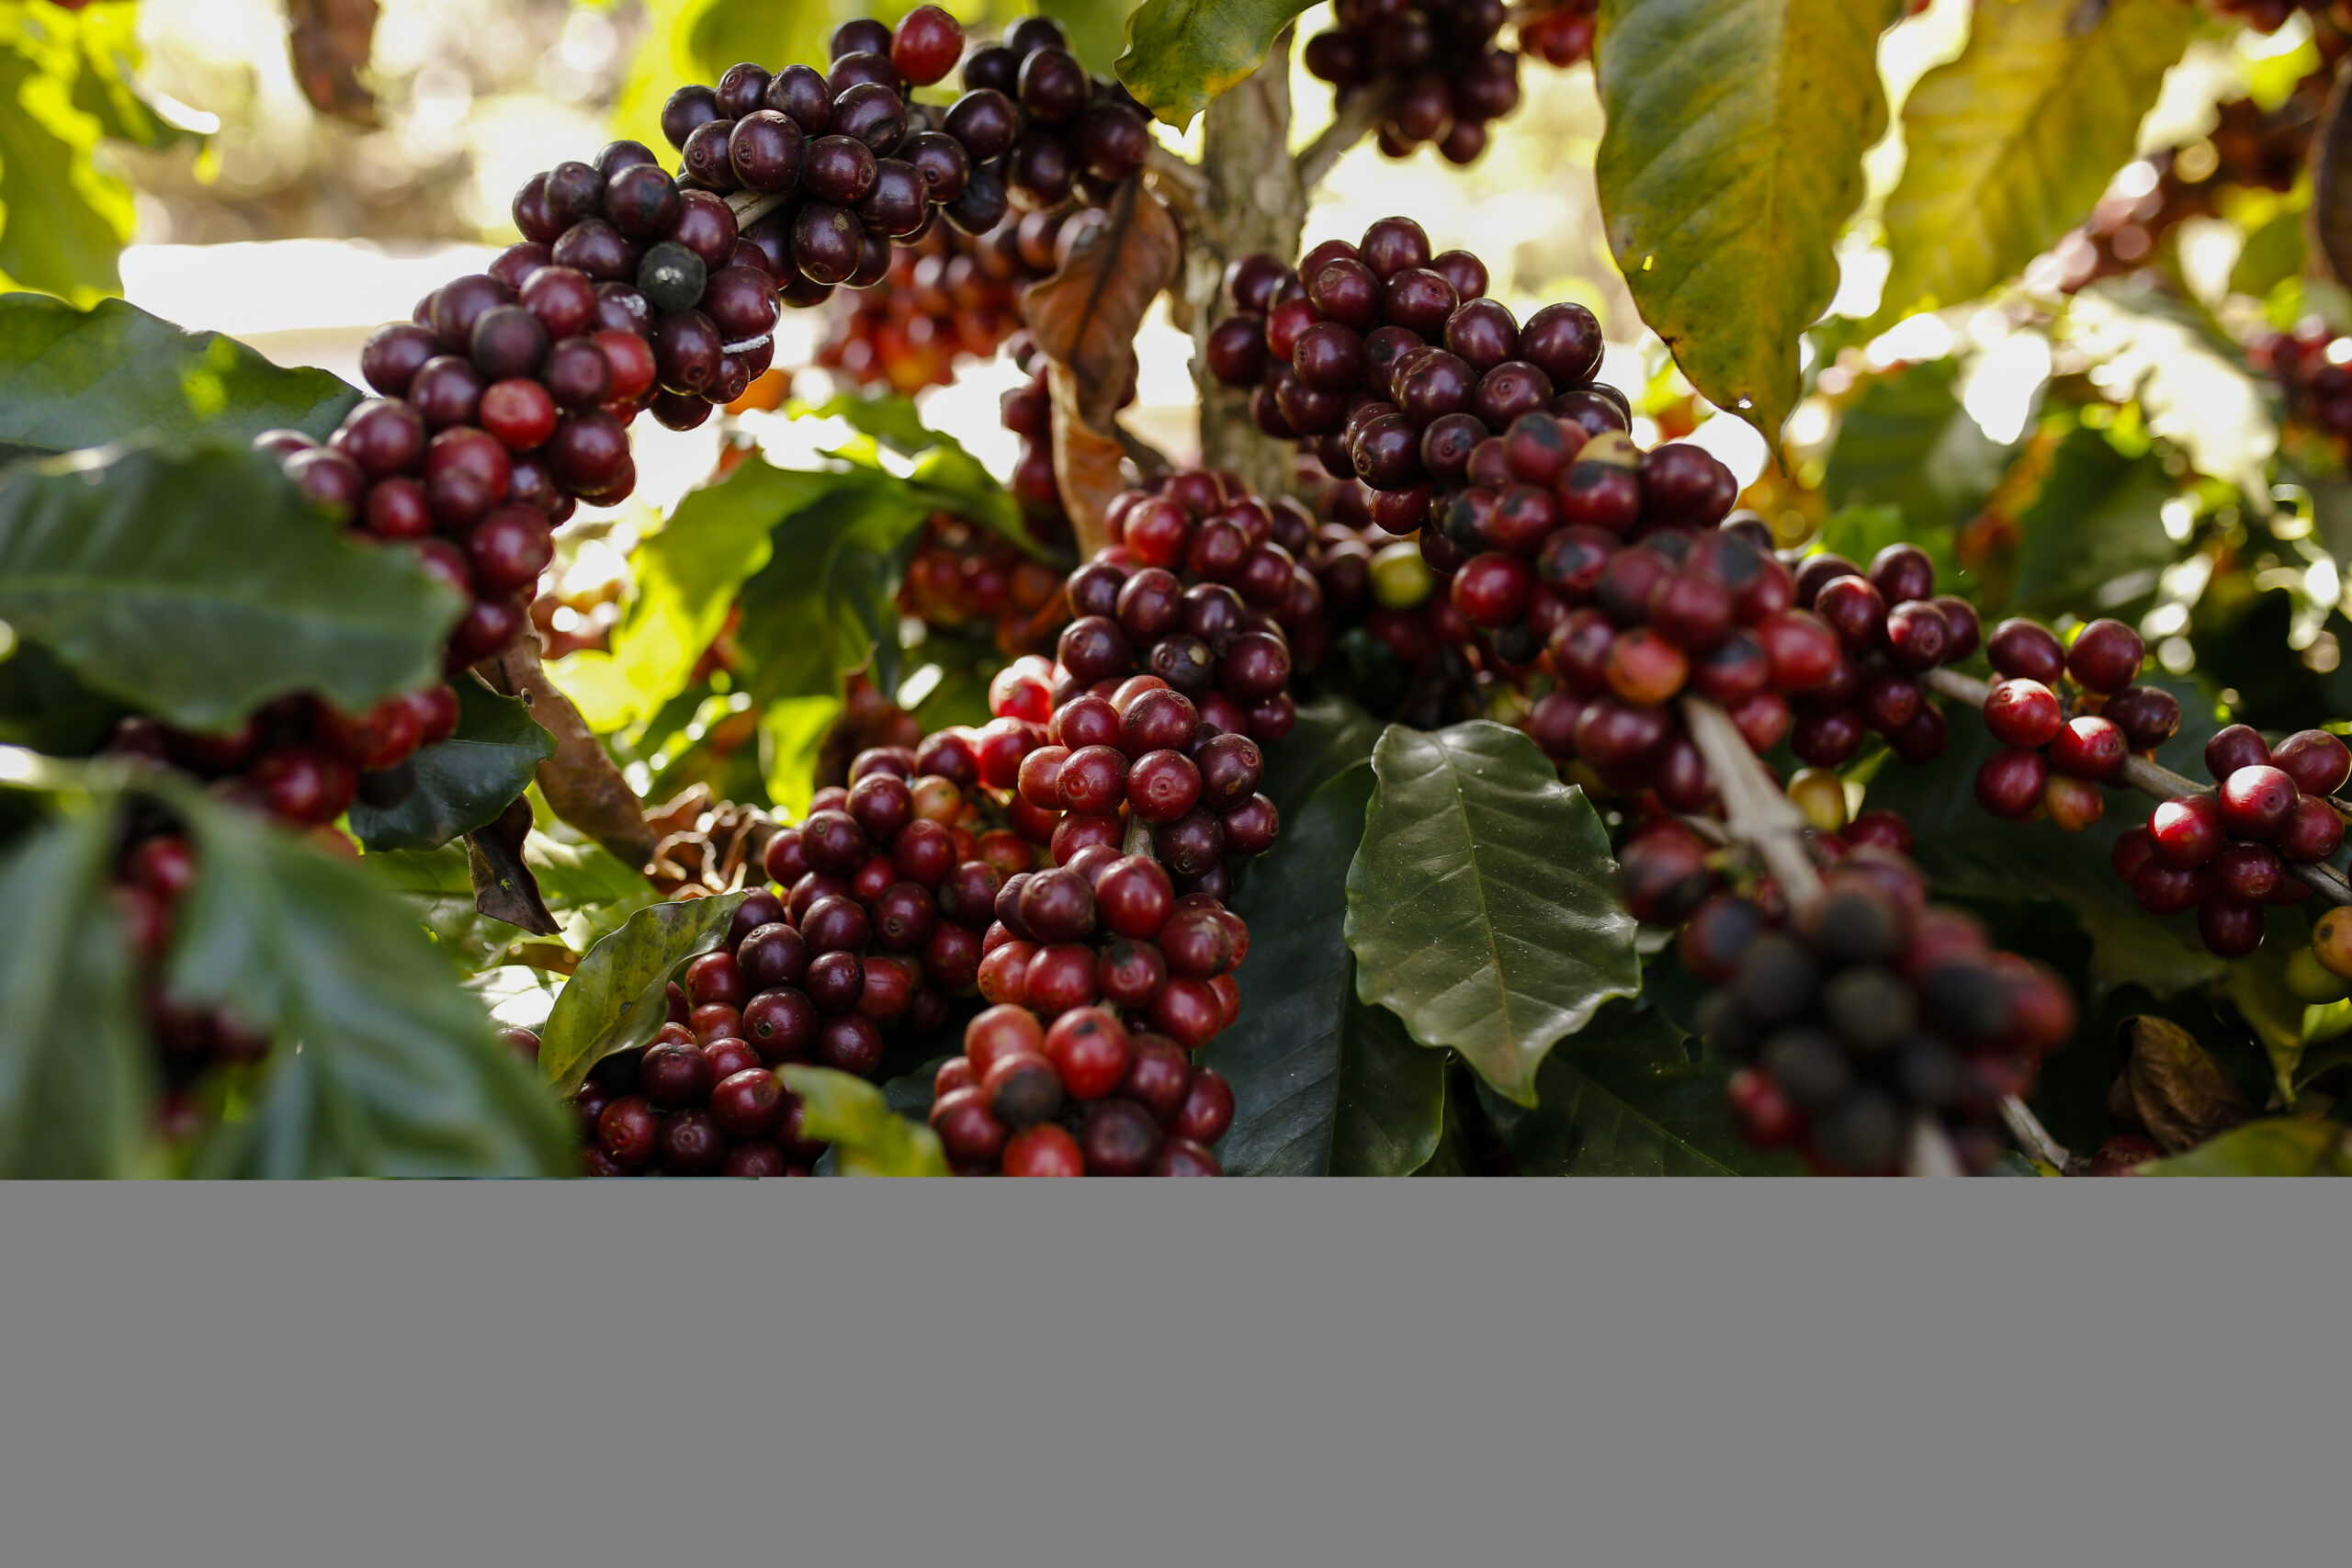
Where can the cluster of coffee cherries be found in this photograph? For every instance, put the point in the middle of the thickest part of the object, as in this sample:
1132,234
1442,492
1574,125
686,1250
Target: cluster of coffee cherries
1086,1095
840,165
2232,852
1822,656
1203,588
2249,147
704,1097
1559,32
1434,66
948,296
1391,365
495,420
2313,366
154,873
653,270
1028,410
963,579
299,759
1867,1010
2056,760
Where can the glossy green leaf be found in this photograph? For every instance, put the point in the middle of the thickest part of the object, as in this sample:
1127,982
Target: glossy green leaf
2011,145
1097,29
869,1137
825,602
939,465
74,379
197,586
591,892
618,999
2273,254
1623,1097
63,222
383,1066
1323,1084
688,577
1332,735
2278,1146
2095,536
1732,158
1907,443
466,780
77,1072
1481,905
1182,53
43,706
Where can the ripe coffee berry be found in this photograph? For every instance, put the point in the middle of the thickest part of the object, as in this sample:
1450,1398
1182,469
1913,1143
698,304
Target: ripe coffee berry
2106,657
2088,748
2257,801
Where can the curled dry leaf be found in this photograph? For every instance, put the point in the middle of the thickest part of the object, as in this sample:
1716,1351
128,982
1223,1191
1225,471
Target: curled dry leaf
331,41
504,887
2330,209
1086,462
1085,317
2173,1087
580,781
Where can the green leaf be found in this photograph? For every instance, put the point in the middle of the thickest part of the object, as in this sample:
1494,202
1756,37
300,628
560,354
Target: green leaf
954,479
44,707
825,602
1097,29
1481,908
74,379
1323,1084
2273,254
1623,1097
75,1068
1907,443
618,997
197,586
1733,156
383,1066
869,1137
65,223
1332,735
2133,948
2011,145
587,888
466,780
2097,526
688,577
2278,1146
1182,53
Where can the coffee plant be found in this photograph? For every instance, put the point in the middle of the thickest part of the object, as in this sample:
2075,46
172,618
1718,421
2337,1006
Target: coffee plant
1858,736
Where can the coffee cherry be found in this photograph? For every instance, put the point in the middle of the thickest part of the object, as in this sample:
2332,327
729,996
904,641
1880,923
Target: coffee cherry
2187,830
1044,1149
2106,657
2312,833
2317,761
2023,713
2088,748
2010,783
2257,802
2025,649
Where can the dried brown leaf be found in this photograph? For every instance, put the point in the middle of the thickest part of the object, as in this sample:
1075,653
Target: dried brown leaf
1086,463
504,887
1086,314
580,781
2179,1093
2330,219
331,41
